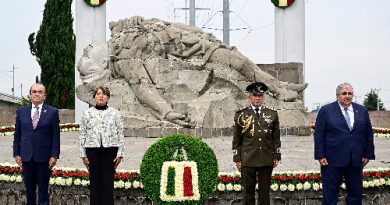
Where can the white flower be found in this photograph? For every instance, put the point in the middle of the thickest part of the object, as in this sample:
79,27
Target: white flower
229,187
19,178
119,184
60,181
84,182
77,182
274,187
299,186
69,181
221,187
127,185
306,186
237,187
365,184
12,178
382,181
4,177
52,181
291,187
316,186
283,187
7,178
136,184
377,182
343,186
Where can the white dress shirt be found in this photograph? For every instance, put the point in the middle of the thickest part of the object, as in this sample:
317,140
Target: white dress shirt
350,113
33,109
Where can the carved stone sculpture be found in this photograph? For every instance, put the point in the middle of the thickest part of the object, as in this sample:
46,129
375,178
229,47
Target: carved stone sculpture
164,74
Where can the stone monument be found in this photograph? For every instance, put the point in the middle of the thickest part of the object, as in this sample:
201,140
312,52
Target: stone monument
165,76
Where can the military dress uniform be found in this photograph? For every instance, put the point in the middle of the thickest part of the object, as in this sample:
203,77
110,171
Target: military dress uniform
256,143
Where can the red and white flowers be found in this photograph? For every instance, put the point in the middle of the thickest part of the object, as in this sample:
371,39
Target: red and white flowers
95,3
282,3
184,185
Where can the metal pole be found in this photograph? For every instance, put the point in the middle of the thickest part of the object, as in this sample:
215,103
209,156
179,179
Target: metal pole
226,24
185,13
377,99
192,12
13,80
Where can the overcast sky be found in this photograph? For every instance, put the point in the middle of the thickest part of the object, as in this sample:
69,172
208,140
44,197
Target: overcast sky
346,41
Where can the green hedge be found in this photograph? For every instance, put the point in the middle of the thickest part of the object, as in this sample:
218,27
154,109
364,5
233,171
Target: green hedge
163,150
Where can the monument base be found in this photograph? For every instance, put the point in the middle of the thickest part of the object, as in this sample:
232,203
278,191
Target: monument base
14,194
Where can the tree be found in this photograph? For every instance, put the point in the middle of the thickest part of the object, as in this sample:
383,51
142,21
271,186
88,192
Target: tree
371,101
54,47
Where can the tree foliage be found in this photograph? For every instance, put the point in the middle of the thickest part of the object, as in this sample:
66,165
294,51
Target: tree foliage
54,47
371,101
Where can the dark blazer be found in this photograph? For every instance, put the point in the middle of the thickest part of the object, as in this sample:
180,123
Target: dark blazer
256,142
334,141
41,143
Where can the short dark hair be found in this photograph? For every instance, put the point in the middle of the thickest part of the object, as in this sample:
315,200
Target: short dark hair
105,90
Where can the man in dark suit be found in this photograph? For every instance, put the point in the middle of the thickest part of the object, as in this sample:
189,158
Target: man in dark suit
36,146
344,144
256,145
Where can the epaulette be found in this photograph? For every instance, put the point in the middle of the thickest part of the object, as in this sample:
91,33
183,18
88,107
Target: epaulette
271,108
242,109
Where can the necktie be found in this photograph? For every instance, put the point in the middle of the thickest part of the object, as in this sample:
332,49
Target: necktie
257,113
35,117
346,115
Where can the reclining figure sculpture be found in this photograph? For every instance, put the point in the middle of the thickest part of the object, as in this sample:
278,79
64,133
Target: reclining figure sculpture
142,51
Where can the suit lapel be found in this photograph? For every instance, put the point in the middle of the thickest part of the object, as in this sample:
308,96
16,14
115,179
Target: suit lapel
340,115
355,115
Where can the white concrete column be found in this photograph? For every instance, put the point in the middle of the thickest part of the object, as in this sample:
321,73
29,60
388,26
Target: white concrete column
290,33
90,27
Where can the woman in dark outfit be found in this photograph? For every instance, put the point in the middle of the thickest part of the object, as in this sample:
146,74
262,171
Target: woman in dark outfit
101,146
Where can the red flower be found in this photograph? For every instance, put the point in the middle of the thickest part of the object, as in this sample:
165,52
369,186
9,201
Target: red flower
224,179
377,175
236,179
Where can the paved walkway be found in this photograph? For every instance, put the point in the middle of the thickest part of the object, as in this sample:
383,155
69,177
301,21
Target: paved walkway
297,152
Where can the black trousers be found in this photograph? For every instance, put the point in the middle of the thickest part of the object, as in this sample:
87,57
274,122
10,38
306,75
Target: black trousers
249,175
101,170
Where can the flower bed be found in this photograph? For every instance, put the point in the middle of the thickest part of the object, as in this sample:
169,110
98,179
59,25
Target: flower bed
378,131
130,179
66,127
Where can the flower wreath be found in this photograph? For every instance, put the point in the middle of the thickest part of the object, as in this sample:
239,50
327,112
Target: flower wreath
95,3
179,169
282,3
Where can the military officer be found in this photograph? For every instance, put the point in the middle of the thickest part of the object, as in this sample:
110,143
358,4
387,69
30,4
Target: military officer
256,145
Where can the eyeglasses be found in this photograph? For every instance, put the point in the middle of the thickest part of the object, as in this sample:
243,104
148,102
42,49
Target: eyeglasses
346,93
